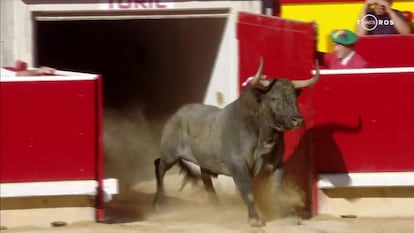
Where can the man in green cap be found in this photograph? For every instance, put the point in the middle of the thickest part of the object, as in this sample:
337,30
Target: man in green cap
344,55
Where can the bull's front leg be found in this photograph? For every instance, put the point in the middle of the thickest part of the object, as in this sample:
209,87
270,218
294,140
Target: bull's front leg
243,182
277,177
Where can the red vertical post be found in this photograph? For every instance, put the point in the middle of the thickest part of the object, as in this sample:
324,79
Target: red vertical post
100,212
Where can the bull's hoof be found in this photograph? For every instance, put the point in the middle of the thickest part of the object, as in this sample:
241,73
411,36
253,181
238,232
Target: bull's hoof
157,207
159,203
256,222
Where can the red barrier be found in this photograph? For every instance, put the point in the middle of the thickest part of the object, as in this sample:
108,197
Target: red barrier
387,50
51,139
362,122
356,120
285,45
44,123
51,132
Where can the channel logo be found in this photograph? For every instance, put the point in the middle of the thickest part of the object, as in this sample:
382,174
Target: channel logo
369,22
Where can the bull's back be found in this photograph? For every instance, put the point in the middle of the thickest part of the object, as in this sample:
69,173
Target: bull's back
194,113
189,133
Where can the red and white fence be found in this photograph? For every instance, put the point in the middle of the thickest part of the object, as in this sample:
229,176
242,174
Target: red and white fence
51,137
359,130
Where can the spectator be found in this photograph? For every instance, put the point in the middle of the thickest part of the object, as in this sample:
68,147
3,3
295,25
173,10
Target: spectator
344,55
378,18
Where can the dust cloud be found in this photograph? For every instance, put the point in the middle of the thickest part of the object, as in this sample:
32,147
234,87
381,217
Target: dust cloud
131,143
275,200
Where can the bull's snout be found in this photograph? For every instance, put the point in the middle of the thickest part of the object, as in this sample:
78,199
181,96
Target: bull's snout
297,121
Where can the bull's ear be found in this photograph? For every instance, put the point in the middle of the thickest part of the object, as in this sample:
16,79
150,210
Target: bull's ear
298,92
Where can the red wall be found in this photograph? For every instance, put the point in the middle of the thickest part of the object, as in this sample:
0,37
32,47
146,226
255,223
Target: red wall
387,50
285,45
354,122
48,130
363,123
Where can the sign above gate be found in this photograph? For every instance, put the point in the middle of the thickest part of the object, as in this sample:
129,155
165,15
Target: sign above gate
136,4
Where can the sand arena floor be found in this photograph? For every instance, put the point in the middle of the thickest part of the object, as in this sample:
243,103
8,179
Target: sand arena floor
190,211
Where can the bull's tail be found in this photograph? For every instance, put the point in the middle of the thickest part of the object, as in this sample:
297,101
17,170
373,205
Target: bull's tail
192,173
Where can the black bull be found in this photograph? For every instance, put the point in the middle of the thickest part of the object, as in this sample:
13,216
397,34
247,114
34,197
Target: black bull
240,140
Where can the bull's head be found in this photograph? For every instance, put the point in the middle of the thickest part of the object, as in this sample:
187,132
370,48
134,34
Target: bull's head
278,107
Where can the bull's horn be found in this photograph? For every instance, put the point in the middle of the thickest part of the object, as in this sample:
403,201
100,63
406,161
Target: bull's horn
256,81
305,83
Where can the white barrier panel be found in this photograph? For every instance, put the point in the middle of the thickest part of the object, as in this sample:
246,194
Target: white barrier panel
366,179
58,188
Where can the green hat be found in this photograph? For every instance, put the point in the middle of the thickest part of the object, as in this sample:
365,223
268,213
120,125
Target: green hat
344,37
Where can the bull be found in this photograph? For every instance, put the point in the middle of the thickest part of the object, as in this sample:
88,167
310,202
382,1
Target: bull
240,140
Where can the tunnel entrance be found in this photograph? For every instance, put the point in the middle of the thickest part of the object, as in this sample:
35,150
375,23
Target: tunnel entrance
150,67
145,61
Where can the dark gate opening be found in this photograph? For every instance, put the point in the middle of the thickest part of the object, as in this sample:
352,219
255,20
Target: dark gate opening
150,68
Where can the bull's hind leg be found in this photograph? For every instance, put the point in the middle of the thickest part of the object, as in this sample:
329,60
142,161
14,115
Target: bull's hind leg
161,167
208,184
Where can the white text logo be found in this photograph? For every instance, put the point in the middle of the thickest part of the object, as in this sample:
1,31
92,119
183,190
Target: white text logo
369,22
